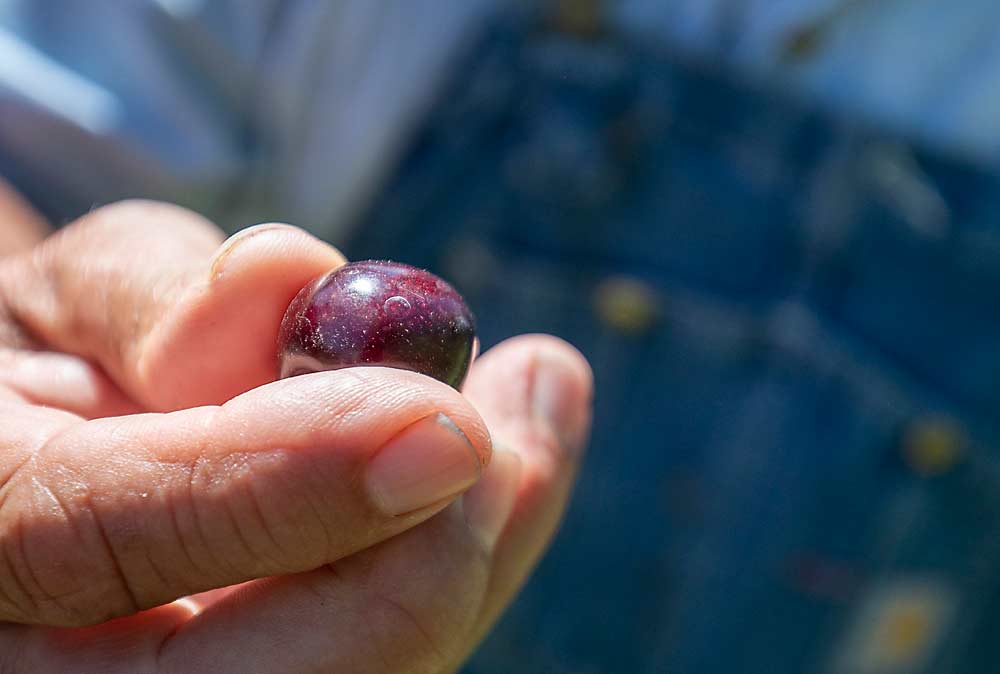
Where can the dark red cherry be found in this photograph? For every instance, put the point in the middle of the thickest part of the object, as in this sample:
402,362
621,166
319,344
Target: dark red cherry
377,312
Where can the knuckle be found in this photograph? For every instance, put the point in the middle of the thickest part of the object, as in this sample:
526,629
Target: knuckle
244,514
20,596
34,587
57,566
130,214
119,229
404,639
214,534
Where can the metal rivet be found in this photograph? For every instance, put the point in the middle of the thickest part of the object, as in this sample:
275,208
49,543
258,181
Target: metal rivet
933,445
583,18
627,304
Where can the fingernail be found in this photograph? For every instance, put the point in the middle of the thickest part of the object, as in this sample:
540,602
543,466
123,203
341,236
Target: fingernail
488,505
557,401
274,239
426,462
225,251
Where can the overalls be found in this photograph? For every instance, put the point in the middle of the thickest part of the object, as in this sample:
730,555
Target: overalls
795,327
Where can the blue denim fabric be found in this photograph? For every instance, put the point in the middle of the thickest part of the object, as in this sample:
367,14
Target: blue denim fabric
793,466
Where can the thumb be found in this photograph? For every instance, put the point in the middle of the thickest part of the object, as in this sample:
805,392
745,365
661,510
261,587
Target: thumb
105,517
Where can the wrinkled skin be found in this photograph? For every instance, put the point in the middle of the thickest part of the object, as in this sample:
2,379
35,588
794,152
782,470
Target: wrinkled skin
166,506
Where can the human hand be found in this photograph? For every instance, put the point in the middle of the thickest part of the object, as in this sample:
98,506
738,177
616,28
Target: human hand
165,506
21,226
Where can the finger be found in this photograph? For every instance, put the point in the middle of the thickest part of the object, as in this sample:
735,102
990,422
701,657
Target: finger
64,381
126,645
21,226
147,291
407,605
535,393
197,603
102,518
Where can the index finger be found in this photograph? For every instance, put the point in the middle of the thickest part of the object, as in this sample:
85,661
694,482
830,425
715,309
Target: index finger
149,291
21,226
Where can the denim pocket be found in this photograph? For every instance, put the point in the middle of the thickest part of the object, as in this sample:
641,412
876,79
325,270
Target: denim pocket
844,507
790,462
919,277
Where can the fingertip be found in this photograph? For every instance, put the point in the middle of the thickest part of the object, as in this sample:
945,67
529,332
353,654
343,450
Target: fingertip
535,345
488,505
272,242
538,380
562,394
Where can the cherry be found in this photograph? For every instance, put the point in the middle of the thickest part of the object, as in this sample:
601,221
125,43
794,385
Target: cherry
377,312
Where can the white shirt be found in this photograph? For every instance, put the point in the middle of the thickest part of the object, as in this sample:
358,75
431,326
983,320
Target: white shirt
251,110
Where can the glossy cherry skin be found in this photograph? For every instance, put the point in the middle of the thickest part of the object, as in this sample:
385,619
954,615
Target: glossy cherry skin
377,312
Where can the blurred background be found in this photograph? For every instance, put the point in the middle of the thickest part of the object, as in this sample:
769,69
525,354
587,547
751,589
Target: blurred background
773,226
